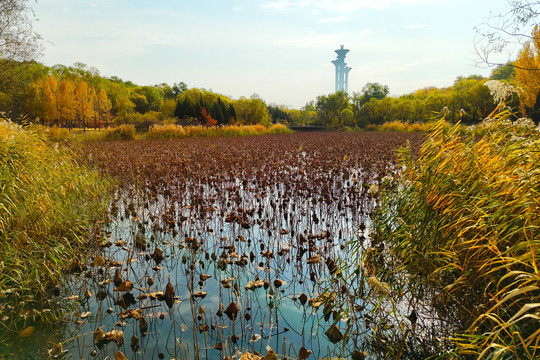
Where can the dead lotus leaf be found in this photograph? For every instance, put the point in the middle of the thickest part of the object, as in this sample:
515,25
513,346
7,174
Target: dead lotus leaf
99,261
132,313
358,355
279,283
99,335
157,255
334,334
26,332
315,259
255,284
84,315
115,335
270,355
321,299
231,311
200,294
87,294
255,338
249,356
304,353
303,299
125,286
120,356
117,279
134,342
158,295
169,291
143,325
205,277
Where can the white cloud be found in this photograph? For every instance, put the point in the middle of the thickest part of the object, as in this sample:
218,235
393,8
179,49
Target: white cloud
334,19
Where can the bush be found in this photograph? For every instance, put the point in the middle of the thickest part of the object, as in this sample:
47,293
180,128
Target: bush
141,122
122,132
279,129
48,203
170,131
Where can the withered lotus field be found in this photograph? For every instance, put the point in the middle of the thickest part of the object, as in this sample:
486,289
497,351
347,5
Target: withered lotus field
217,246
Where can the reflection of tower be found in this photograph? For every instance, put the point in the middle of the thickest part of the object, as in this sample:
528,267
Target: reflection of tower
342,70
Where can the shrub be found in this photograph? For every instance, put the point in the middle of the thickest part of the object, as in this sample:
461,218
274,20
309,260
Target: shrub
141,122
170,131
279,129
121,132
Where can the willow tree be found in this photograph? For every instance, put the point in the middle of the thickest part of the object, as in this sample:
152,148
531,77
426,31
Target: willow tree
18,42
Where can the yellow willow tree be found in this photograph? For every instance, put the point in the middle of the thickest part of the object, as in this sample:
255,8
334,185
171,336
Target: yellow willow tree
67,105
85,107
50,106
104,106
528,72
94,104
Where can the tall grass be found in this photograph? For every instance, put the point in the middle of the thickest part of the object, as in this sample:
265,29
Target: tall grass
48,202
120,132
400,126
175,131
55,134
460,233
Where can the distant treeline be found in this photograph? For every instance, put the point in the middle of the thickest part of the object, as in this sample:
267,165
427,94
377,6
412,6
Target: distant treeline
78,96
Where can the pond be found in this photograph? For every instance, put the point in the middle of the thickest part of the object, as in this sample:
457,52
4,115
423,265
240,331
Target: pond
219,246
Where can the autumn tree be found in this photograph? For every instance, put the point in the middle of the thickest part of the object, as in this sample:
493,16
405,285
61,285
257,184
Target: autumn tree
67,103
207,119
50,106
34,103
85,104
528,81
103,107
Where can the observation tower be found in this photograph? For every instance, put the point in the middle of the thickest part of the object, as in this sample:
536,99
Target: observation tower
342,70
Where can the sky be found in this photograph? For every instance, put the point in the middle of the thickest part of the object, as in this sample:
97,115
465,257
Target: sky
279,49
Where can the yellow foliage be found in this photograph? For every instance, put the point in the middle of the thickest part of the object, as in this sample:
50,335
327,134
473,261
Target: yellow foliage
527,71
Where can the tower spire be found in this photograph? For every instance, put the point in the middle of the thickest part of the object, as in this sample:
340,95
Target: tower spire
342,70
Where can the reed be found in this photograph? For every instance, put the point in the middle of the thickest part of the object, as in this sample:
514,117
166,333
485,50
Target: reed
121,132
55,134
460,231
48,202
172,131
399,126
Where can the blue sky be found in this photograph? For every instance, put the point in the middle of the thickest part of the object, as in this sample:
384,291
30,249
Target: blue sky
279,49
